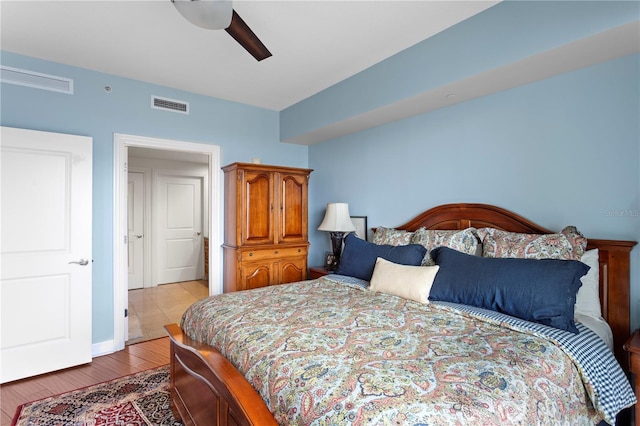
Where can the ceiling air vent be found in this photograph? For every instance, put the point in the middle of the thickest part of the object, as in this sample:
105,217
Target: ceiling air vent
36,80
170,105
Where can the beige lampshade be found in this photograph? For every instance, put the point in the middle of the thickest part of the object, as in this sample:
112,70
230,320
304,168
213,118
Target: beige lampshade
337,219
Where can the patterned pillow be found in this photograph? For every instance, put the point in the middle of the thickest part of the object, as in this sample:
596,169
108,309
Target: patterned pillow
577,240
569,244
391,237
464,241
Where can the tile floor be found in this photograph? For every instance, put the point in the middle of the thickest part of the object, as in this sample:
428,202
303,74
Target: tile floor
152,308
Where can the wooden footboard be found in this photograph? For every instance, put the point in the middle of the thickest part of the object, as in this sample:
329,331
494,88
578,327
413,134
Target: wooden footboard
206,389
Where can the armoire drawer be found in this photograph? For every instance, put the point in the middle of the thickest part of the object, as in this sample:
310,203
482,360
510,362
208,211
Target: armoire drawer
273,253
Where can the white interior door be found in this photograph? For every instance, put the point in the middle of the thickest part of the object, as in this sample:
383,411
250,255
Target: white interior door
135,229
45,278
179,224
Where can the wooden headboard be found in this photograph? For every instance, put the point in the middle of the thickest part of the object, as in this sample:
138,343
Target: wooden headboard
613,257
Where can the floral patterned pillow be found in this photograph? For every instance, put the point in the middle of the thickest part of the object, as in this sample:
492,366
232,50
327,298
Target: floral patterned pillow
391,237
569,244
577,241
464,241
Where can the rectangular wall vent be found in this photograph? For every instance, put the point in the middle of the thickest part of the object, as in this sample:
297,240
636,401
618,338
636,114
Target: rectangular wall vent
36,80
170,105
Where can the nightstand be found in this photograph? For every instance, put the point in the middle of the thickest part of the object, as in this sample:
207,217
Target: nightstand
633,347
318,271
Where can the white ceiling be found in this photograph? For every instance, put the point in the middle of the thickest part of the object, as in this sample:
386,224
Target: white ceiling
315,44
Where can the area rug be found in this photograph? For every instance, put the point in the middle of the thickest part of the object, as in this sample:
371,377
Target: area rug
138,399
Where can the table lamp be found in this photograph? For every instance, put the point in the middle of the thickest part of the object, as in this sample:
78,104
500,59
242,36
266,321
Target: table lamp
338,223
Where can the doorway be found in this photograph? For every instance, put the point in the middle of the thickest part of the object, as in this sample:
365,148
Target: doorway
158,155
167,228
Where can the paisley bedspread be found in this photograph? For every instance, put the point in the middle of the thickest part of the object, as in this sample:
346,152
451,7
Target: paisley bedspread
325,352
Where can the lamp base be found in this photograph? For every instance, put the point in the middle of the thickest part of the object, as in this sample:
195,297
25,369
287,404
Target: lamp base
336,246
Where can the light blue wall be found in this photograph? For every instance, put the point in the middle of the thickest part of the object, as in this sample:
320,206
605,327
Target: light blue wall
241,131
498,36
562,151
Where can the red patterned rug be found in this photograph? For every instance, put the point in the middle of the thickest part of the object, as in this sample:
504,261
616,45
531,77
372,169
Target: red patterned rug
135,400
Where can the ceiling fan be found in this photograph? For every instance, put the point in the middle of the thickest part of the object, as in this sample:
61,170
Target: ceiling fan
219,14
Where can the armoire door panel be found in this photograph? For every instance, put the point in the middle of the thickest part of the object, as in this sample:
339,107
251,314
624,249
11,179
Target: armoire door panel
256,276
258,208
293,270
293,208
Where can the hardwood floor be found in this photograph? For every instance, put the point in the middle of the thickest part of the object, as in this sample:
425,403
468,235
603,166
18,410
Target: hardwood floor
134,358
151,308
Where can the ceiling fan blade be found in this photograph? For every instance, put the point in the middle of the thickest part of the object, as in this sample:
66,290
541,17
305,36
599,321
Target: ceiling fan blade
241,32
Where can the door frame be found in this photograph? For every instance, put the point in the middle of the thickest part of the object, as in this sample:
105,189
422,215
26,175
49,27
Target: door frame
120,172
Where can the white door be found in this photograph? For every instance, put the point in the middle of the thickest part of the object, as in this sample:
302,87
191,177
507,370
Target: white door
179,225
135,229
45,278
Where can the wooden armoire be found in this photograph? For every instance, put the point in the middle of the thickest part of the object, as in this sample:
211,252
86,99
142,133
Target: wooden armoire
265,232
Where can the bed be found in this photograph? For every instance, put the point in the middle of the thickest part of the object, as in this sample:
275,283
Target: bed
208,389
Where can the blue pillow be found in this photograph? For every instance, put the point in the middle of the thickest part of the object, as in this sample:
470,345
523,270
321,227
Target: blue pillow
542,291
359,256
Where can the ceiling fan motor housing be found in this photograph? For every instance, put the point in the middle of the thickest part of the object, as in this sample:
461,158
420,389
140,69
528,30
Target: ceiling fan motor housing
208,14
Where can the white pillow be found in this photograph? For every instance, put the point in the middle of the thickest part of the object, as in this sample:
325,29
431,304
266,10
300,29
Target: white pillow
409,282
588,297
598,326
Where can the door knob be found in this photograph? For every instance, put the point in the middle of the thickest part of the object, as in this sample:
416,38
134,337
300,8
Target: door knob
138,236
81,262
